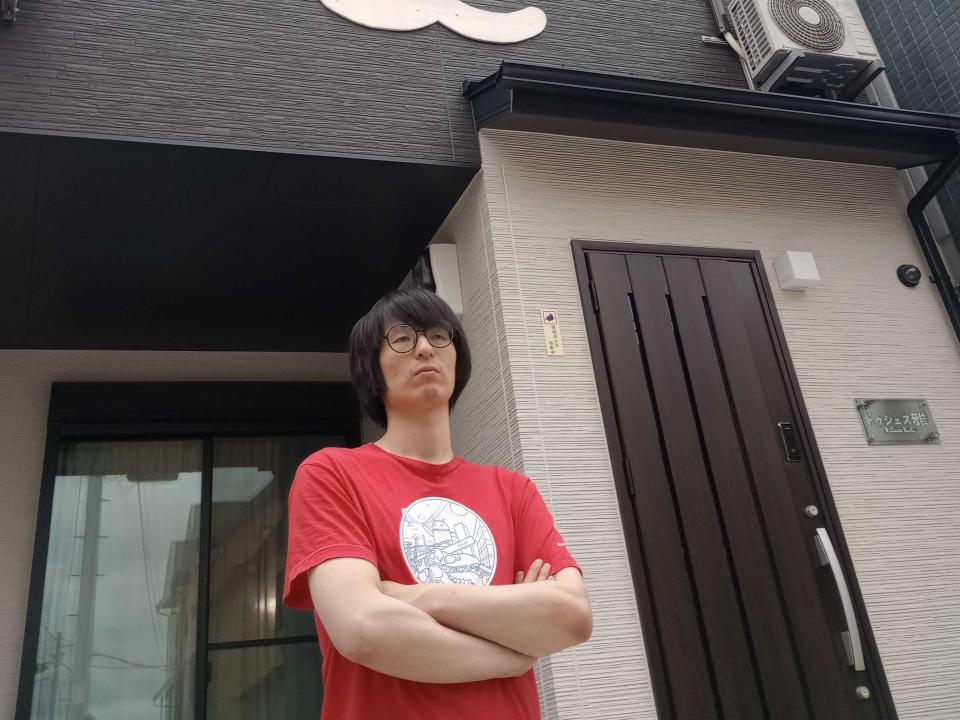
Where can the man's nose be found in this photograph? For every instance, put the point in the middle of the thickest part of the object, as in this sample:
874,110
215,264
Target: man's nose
423,345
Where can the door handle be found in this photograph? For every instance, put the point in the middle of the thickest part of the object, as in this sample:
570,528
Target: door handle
851,636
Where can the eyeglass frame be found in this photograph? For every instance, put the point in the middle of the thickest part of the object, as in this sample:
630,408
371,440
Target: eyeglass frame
416,336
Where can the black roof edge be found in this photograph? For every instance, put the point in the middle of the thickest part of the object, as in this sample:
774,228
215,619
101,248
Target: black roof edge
278,151
594,104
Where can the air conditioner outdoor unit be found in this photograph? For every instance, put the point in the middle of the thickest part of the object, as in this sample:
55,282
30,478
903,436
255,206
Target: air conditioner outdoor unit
806,47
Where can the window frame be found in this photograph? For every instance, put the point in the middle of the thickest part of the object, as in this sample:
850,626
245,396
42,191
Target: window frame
175,410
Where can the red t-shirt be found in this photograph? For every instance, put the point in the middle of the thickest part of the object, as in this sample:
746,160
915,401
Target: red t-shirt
454,522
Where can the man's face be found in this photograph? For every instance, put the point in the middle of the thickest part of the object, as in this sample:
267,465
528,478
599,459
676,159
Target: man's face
419,379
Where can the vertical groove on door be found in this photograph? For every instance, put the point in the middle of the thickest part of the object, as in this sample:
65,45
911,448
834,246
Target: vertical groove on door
688,680
643,549
708,465
698,518
678,515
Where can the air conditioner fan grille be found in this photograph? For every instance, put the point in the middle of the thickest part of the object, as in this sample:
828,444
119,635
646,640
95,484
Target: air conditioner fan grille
823,35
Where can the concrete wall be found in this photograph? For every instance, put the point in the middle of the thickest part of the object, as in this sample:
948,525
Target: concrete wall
25,379
861,333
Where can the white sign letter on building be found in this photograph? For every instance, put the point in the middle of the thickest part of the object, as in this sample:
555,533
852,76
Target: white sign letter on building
471,22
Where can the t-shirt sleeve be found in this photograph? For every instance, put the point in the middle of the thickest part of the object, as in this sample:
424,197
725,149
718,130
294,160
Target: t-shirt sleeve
537,535
324,521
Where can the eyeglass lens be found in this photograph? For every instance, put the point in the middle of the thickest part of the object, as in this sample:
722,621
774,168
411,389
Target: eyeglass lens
403,338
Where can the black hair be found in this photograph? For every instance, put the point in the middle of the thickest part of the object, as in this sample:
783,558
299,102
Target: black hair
415,306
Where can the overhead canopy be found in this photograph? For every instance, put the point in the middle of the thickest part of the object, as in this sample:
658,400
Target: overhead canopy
589,104
109,244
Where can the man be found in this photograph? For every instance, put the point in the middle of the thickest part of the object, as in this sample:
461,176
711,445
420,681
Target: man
436,582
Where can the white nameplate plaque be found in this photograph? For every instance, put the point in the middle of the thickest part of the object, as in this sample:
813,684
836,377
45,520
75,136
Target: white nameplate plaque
466,20
551,332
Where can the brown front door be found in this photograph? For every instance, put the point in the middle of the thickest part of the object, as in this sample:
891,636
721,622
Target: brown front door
748,602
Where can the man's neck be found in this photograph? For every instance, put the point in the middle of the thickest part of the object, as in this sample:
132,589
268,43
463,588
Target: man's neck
425,437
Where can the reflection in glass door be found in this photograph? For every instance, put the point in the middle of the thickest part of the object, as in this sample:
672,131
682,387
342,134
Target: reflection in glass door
122,599
263,658
114,643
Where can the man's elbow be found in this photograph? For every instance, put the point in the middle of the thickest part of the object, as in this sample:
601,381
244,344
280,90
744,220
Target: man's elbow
575,617
357,639
581,623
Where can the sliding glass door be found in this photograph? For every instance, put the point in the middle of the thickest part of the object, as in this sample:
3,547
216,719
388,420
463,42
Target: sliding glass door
164,575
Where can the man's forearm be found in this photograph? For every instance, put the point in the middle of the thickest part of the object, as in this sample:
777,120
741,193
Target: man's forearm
406,642
535,619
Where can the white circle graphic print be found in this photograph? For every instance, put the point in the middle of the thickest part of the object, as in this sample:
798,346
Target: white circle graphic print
446,542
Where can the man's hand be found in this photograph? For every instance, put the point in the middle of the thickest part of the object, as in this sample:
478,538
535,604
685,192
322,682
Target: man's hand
539,570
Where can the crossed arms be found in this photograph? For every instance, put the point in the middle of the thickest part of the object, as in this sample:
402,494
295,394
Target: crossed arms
449,633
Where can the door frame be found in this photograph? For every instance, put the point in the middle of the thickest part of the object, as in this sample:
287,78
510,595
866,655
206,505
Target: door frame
829,514
171,410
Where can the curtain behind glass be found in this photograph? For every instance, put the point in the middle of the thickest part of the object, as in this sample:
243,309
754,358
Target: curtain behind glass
118,618
251,480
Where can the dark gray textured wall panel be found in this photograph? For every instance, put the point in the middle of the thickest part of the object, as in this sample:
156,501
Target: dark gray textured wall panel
920,42
282,75
293,75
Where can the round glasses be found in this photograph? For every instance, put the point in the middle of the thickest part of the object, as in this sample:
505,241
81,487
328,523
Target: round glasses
403,338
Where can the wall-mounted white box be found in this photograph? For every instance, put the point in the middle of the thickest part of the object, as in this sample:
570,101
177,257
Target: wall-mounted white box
796,270
446,274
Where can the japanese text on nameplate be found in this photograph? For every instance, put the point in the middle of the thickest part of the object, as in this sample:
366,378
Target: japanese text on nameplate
551,332
897,421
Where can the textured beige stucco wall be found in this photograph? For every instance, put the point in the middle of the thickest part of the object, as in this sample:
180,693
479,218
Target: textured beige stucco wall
859,334
483,423
25,379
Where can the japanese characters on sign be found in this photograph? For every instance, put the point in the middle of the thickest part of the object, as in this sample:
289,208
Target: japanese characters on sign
897,421
551,332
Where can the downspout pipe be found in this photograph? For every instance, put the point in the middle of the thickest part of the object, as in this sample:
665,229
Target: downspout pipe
928,243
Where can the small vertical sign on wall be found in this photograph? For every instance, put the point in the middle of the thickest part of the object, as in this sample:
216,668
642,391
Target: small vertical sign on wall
551,332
